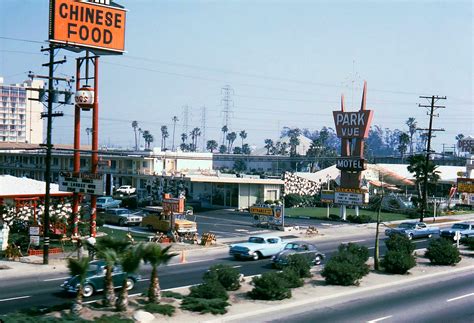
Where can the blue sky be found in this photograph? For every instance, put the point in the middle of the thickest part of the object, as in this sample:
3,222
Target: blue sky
287,61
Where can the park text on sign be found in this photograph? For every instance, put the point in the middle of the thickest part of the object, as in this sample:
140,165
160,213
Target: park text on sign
261,210
466,185
86,183
87,24
351,164
352,124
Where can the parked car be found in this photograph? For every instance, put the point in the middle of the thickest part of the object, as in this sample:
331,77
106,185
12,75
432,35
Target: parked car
94,281
304,248
106,202
257,247
466,229
413,230
126,189
122,216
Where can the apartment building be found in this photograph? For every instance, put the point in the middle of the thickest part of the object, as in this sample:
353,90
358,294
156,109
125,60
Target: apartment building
20,117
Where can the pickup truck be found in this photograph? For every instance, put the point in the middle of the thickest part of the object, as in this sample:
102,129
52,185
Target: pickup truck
126,189
257,247
413,230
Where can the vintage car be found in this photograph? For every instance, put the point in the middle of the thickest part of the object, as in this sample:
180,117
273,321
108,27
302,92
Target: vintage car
304,248
466,229
257,247
413,230
94,281
126,189
121,216
106,202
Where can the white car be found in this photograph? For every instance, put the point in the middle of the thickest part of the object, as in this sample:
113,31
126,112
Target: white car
126,189
107,202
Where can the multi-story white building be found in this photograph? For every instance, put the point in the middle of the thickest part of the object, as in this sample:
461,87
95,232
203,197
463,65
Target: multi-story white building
20,117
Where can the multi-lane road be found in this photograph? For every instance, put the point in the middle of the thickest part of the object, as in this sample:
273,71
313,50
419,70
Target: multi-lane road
41,291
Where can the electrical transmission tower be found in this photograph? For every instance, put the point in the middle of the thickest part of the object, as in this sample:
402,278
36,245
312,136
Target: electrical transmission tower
203,128
185,119
227,104
432,107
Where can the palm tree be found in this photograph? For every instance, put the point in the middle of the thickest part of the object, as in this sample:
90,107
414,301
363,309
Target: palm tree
109,249
78,268
212,145
148,137
195,133
224,132
294,140
164,135
403,141
155,256
140,132
243,135
130,261
88,132
246,149
268,145
411,123
135,126
231,138
222,149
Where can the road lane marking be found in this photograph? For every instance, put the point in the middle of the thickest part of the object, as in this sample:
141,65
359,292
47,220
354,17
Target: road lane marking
460,297
13,298
371,248
53,279
354,241
143,279
237,266
380,319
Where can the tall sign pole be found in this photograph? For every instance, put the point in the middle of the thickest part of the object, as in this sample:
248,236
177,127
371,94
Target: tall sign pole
95,144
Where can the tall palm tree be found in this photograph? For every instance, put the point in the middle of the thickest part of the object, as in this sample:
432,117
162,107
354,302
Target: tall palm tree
231,138
412,125
148,137
155,256
130,261
268,145
174,119
140,132
78,268
135,126
224,130
164,135
243,135
109,249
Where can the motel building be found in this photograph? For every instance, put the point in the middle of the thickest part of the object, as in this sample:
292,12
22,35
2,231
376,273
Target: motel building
151,172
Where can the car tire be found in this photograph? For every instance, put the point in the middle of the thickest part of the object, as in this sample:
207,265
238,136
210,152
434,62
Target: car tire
256,256
236,257
122,222
130,283
87,290
317,260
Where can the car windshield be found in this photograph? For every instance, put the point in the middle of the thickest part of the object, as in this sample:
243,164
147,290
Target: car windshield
122,212
256,240
460,226
406,225
101,200
291,246
93,267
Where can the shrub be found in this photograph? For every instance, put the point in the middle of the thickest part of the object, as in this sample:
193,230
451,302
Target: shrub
202,305
226,275
334,217
290,278
363,218
269,287
171,294
469,242
398,262
399,242
164,309
442,252
300,265
292,200
209,290
347,266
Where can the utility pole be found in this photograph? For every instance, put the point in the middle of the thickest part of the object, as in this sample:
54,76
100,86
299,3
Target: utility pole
227,103
185,119
49,117
174,119
432,107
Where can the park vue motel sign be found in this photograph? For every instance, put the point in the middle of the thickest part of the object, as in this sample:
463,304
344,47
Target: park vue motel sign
96,25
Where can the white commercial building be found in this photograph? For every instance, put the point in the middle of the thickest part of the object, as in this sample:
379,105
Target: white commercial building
20,117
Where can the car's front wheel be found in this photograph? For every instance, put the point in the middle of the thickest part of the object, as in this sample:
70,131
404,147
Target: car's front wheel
87,290
130,283
256,256
317,260
122,222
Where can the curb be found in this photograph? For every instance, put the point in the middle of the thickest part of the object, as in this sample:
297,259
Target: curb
337,295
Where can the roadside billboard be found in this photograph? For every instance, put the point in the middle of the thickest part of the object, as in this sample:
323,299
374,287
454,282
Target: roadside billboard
466,185
87,25
85,183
